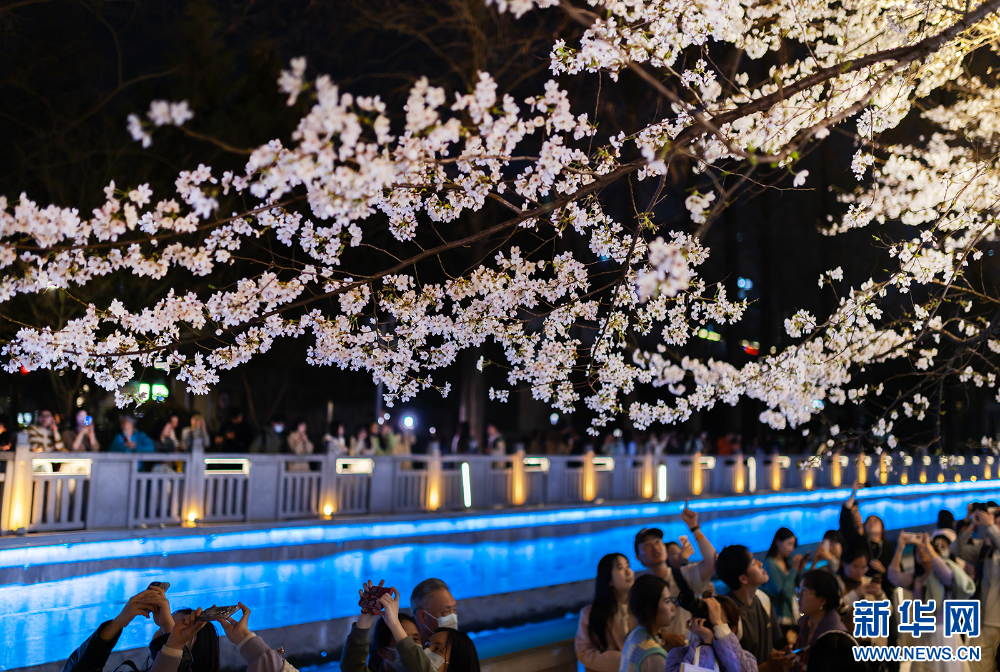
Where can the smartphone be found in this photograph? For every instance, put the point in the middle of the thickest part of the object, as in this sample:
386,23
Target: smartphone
683,539
370,599
89,420
159,584
215,613
826,545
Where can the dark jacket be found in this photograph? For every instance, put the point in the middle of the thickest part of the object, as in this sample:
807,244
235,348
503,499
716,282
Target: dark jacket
355,655
93,654
882,552
831,621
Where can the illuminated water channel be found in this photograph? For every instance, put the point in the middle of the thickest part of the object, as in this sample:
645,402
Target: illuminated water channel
44,622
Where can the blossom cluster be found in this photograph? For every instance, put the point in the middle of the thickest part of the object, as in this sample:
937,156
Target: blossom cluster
541,164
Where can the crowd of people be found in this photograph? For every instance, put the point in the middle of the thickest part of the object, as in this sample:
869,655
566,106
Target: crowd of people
178,431
790,612
729,612
235,435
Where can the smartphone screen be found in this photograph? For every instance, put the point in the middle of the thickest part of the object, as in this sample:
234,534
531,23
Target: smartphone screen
215,613
371,597
89,420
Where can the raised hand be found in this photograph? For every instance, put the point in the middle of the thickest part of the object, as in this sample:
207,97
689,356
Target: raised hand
698,627
184,630
689,517
237,631
984,518
390,607
368,614
161,611
367,587
142,604
715,615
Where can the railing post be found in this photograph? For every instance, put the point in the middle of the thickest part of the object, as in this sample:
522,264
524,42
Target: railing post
648,476
835,476
194,488
19,480
589,481
696,485
808,478
555,486
329,498
739,483
435,495
518,481
382,485
479,474
620,478
775,474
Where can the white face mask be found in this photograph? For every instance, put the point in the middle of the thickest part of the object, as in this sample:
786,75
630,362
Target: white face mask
449,621
437,660
278,429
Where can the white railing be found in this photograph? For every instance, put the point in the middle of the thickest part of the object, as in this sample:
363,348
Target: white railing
58,502
156,498
300,495
43,492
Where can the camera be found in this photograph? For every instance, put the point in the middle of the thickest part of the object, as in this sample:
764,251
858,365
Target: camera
687,599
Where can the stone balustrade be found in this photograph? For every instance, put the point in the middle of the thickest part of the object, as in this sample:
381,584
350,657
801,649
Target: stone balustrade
47,492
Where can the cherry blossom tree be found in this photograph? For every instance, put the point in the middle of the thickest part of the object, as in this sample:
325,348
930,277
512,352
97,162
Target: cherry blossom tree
347,203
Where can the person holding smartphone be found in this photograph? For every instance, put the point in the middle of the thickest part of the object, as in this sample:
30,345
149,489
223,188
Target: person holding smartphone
448,650
932,578
784,573
92,655
715,641
82,437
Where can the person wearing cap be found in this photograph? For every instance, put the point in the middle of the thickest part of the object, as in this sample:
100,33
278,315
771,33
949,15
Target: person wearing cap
652,553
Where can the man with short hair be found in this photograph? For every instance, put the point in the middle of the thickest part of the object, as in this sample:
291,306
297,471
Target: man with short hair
235,435
433,607
271,438
760,632
652,553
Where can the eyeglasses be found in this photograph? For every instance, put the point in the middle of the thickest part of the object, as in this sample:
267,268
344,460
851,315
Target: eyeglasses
672,600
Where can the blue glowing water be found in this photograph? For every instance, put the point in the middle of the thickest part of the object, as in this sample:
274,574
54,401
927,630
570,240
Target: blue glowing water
44,622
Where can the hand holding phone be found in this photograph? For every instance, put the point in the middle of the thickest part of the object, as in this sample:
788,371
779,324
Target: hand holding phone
217,613
162,585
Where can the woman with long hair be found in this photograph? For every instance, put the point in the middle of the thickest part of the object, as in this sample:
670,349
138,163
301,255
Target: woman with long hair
784,572
453,651
383,656
606,622
653,609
